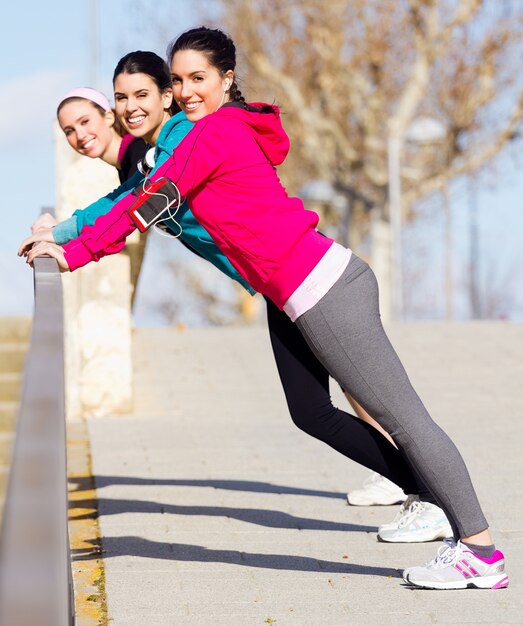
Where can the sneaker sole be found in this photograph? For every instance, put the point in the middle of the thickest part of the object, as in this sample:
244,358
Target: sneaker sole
432,536
386,527
484,582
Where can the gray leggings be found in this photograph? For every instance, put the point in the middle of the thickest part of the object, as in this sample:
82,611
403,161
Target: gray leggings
345,332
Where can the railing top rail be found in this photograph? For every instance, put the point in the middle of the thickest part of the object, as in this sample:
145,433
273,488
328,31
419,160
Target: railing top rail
35,579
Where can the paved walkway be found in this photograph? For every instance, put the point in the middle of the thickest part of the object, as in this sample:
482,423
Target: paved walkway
215,509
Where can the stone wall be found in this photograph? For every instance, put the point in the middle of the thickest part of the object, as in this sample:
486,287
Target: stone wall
97,300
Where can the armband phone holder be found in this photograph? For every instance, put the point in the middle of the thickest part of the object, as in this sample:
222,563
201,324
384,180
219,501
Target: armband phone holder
153,201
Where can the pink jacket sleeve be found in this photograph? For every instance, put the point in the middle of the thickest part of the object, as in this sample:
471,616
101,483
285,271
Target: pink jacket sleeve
194,159
106,236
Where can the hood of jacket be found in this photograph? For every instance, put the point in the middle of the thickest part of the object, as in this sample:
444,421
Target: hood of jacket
265,123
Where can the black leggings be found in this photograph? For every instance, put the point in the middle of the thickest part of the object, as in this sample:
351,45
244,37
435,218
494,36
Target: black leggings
306,385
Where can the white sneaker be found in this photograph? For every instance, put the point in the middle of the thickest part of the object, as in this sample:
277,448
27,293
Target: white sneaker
376,490
421,521
457,567
394,523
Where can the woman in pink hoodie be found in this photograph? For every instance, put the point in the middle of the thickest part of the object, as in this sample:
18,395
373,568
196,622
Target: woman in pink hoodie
225,170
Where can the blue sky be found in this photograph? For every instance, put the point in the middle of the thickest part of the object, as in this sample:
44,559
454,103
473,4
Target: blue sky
47,49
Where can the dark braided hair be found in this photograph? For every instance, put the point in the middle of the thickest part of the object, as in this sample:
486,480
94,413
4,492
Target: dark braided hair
218,47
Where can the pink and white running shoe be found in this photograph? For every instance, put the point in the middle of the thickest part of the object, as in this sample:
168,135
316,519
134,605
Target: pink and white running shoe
457,567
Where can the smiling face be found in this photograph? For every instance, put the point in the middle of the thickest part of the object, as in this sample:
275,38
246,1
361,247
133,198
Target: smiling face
198,87
87,129
140,106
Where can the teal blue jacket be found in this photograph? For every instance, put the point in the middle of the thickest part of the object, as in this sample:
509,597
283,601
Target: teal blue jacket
192,232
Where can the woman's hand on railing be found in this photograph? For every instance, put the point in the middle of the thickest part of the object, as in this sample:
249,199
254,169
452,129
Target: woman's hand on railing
44,222
48,249
42,235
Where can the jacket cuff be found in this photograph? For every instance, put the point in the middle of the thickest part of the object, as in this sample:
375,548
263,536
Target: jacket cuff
77,254
66,231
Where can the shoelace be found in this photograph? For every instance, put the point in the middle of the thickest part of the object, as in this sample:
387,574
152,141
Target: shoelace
412,512
402,510
447,555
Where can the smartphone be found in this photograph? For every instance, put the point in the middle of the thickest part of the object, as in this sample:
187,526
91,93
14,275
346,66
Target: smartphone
154,200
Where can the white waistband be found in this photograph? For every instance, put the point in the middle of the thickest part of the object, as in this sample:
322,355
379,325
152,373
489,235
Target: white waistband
319,281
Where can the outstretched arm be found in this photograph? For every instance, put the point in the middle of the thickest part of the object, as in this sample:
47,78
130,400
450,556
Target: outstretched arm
190,164
106,236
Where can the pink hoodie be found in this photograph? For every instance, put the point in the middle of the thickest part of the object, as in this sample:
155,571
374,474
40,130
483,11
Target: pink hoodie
225,169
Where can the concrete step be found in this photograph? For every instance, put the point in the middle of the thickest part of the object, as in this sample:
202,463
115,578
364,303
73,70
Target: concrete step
4,476
14,329
14,340
8,415
6,444
12,357
10,387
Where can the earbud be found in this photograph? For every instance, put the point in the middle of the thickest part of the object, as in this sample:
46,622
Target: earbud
227,84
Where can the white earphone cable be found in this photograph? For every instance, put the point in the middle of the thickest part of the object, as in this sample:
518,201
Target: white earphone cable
169,203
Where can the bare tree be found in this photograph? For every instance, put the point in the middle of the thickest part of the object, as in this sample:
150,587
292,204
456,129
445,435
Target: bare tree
349,75
354,77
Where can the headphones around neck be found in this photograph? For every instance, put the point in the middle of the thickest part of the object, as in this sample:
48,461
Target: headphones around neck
145,165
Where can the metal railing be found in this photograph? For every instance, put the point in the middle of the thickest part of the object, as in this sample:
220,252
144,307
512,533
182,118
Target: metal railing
35,564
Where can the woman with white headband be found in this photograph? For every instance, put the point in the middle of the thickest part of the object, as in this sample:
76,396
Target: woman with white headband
92,129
